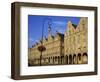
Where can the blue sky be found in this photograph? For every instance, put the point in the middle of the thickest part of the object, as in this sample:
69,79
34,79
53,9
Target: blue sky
37,22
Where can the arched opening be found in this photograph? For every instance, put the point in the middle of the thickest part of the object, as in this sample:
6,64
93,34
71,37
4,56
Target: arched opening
85,58
53,60
49,60
62,59
79,57
44,61
74,59
66,59
70,59
58,60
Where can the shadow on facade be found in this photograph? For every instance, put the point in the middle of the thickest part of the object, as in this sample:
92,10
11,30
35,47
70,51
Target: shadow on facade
61,60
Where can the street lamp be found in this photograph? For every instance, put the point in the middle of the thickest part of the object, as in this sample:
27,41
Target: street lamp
42,48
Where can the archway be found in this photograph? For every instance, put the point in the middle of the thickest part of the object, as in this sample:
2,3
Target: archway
49,60
85,58
70,59
62,59
58,60
79,58
74,59
66,59
53,60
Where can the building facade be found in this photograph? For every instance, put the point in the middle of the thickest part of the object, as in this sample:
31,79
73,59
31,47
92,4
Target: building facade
76,42
54,50
68,48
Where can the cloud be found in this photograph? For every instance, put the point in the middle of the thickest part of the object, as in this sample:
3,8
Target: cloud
31,39
59,22
61,30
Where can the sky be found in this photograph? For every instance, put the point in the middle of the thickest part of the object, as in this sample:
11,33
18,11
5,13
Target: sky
37,22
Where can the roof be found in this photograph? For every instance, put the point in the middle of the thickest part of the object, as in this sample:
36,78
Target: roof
60,34
74,25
